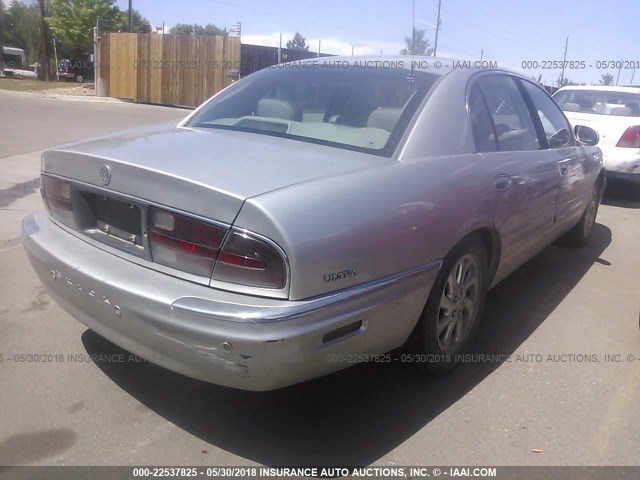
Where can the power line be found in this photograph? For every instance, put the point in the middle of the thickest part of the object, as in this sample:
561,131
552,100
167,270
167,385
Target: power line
298,19
435,46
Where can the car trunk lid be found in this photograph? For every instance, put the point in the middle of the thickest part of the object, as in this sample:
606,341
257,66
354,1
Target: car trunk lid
206,172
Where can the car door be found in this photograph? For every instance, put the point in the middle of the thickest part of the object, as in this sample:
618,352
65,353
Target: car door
526,178
561,146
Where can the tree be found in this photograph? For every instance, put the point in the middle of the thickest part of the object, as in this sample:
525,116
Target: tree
72,21
298,42
195,29
139,24
417,45
564,82
606,79
19,27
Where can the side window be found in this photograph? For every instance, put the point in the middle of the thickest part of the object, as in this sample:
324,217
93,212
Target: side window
481,124
554,123
513,123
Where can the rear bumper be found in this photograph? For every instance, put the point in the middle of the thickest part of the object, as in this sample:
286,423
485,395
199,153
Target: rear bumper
622,164
235,340
623,176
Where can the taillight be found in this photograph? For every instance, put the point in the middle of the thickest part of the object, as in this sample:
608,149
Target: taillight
183,242
248,260
57,195
194,246
630,138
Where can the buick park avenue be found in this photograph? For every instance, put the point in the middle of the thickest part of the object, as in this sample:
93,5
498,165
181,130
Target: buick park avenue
305,213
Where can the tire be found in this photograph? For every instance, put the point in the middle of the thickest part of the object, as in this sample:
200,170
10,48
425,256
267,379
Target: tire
453,311
580,234
78,78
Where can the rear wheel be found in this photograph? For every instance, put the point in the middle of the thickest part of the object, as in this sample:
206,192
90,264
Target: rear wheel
580,234
452,314
79,78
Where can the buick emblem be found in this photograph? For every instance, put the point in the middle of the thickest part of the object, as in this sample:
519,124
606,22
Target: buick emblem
105,174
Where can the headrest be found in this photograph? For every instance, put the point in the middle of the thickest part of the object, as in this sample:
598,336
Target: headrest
622,111
385,118
272,107
571,107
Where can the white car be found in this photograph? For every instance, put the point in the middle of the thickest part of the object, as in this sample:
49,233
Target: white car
615,113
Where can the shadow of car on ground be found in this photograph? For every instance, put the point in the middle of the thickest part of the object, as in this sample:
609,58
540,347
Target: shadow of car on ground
622,194
356,416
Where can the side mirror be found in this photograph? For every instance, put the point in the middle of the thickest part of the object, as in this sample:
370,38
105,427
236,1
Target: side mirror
586,135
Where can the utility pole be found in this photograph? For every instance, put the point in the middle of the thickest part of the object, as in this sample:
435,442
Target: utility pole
130,17
435,45
413,27
280,49
619,70
566,45
44,47
240,51
319,45
1,46
97,72
55,54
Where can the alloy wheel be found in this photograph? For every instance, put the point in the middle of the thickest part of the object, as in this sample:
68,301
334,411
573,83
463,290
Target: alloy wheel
459,303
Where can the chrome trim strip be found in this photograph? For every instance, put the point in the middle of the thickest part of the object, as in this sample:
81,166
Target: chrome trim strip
236,312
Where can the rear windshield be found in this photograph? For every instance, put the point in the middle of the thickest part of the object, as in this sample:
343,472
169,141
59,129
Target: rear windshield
365,109
602,102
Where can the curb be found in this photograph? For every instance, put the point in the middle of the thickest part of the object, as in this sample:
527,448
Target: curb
91,98
59,96
79,98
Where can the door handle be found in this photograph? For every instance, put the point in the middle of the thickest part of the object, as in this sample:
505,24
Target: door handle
503,183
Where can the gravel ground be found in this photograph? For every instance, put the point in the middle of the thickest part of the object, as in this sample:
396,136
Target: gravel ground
73,89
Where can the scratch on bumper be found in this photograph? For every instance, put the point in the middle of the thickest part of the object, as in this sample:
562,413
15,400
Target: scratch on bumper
229,339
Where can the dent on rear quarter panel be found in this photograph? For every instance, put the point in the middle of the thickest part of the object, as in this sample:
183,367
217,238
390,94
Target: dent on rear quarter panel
378,222
383,220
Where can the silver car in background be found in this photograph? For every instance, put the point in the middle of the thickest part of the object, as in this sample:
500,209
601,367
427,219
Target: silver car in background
312,216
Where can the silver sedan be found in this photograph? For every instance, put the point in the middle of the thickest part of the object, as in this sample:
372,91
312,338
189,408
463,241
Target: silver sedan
312,216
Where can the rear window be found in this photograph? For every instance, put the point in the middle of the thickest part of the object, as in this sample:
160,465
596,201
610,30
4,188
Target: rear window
364,109
12,61
602,102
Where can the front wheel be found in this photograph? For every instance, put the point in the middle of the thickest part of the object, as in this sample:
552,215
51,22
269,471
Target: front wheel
454,308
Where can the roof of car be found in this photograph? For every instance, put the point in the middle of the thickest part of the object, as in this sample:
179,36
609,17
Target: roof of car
13,50
601,88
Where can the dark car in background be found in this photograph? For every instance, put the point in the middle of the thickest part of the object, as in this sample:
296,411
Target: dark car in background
78,70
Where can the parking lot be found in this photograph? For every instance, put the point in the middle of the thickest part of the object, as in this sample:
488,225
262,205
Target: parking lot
553,379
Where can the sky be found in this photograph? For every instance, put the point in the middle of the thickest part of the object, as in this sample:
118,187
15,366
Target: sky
509,31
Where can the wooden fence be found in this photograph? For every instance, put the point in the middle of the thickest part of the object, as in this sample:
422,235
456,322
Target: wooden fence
181,70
